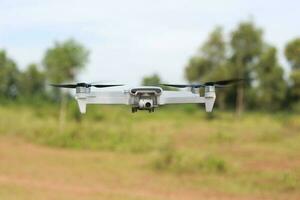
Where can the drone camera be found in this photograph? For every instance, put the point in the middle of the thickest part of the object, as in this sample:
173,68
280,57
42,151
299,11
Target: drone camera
146,103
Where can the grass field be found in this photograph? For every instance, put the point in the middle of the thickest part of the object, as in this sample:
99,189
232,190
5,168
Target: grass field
174,153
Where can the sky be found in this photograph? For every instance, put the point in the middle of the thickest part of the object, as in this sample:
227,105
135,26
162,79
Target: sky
135,38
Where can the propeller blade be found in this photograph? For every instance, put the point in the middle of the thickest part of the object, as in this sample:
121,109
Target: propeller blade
225,82
222,83
105,85
64,85
176,85
184,85
87,85
218,84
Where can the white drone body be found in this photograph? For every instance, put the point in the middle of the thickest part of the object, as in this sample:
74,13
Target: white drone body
144,98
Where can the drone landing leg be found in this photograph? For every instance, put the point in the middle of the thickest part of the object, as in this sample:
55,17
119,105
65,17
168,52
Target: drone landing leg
133,110
82,106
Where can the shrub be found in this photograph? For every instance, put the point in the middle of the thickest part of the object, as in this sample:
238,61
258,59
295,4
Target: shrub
189,162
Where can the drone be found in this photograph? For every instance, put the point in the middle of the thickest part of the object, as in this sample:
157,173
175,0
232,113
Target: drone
147,98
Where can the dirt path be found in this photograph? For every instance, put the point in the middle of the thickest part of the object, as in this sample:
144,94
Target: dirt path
35,172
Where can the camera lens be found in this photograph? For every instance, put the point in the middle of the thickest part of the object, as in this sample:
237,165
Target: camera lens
148,105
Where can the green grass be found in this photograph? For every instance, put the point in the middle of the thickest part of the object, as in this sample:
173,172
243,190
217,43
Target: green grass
257,154
186,161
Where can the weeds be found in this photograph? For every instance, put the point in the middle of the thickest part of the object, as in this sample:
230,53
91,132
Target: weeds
183,161
217,152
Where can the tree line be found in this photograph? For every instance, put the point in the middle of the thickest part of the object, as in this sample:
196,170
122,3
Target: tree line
60,63
246,55
243,53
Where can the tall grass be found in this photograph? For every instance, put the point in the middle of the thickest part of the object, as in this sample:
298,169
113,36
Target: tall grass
252,154
187,161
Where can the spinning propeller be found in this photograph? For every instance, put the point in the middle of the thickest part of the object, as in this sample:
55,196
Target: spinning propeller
86,85
217,84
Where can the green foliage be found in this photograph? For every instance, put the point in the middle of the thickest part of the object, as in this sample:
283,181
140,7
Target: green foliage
210,63
110,140
271,90
245,56
63,61
296,107
110,131
9,76
190,109
222,137
183,161
295,78
154,80
292,52
246,43
32,82
289,182
195,69
256,154
269,136
210,58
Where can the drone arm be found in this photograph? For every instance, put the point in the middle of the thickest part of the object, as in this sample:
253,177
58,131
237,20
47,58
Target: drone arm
178,97
101,98
82,105
210,97
209,103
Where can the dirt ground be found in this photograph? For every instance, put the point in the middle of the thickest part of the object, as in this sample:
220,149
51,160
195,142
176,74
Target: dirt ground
30,171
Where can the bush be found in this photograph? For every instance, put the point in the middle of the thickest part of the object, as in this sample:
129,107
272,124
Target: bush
189,162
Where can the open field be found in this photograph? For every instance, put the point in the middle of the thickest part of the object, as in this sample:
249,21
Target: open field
175,153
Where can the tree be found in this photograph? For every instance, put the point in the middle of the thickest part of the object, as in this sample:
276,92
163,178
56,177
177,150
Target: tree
295,91
154,80
246,45
196,68
271,90
292,53
62,63
210,62
210,57
32,82
9,76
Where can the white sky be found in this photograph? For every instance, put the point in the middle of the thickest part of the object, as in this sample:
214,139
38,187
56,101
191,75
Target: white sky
132,38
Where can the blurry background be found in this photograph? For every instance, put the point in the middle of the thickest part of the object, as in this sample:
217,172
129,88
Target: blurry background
247,149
